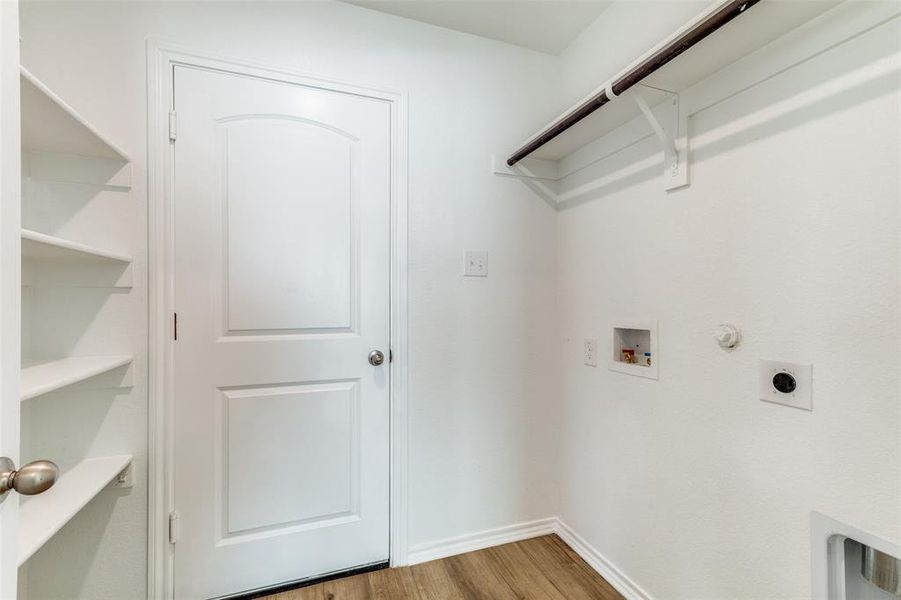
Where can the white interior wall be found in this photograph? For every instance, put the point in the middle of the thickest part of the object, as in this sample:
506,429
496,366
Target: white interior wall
481,389
690,485
781,231
105,416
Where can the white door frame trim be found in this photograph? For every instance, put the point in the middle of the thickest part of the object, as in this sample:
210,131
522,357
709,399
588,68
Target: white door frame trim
161,59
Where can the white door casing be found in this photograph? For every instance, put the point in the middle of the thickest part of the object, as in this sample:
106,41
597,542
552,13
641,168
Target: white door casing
281,287
10,283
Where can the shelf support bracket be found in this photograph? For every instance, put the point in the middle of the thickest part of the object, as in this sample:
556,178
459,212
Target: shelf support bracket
538,175
672,134
539,185
533,168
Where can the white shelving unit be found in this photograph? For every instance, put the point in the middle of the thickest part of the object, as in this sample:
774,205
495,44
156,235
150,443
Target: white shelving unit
62,147
42,516
50,125
58,144
45,377
656,105
48,247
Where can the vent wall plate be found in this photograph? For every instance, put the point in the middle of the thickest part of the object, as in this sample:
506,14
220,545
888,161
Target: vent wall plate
789,384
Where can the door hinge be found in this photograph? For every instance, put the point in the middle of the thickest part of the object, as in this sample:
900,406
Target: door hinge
173,126
175,326
173,527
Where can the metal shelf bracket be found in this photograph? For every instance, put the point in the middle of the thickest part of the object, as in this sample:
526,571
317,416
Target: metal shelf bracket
670,126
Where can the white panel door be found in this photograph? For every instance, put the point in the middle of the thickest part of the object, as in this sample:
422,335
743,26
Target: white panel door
10,284
281,292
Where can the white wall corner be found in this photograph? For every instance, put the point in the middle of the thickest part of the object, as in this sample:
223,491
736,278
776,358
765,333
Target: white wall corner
606,569
518,532
480,540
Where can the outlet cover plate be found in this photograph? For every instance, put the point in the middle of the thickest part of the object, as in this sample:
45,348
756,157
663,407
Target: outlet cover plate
590,352
801,397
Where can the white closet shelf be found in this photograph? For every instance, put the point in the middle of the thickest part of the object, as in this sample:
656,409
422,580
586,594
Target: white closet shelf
42,516
41,378
757,27
51,125
43,246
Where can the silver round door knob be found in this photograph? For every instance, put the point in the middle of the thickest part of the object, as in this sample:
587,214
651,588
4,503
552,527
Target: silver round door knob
376,358
34,478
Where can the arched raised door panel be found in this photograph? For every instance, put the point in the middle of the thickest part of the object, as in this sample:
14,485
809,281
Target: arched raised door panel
290,214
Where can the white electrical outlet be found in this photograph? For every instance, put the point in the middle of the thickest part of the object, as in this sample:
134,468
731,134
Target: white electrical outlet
476,263
786,383
590,352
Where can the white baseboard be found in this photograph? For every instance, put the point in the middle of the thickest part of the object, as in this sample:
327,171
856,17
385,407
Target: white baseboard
522,531
606,569
482,539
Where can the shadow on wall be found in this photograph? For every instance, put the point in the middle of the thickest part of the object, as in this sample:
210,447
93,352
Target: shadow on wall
862,69
85,531
79,414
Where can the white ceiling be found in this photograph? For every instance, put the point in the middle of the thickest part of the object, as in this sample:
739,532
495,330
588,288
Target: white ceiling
543,25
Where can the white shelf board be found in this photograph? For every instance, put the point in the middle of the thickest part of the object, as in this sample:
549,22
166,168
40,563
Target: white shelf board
42,516
761,24
48,247
612,115
41,378
112,173
51,125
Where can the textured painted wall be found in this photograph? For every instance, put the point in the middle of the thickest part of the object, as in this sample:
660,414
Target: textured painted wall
690,485
482,448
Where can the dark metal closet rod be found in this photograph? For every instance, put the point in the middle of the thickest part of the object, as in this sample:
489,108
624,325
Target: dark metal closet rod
711,23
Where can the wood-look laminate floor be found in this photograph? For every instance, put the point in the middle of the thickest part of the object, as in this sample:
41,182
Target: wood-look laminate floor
542,568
